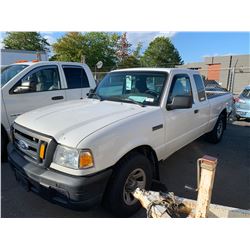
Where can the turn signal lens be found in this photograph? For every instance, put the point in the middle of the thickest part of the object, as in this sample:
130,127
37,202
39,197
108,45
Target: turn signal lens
86,160
42,151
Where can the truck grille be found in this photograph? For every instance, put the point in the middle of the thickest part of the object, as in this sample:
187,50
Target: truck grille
28,143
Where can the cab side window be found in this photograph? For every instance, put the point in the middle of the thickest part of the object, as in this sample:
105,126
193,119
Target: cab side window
180,86
44,79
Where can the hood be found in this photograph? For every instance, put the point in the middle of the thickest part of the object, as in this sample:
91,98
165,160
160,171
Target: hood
70,122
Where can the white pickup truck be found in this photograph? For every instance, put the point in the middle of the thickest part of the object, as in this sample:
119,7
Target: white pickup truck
29,85
101,148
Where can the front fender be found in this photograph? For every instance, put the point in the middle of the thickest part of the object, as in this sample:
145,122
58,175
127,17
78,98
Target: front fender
111,143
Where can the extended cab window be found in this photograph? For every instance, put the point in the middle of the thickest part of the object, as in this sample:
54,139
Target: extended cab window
43,79
180,86
200,87
76,77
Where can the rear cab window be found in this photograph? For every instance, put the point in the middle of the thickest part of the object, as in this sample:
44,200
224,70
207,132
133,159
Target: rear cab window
76,77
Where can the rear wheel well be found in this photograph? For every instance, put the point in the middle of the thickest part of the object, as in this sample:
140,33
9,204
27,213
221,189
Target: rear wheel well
150,154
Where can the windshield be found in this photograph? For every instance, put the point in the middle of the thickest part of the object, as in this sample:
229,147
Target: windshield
246,93
144,88
9,72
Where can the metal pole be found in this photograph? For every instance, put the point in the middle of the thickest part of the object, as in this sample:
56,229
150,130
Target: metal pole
233,75
229,72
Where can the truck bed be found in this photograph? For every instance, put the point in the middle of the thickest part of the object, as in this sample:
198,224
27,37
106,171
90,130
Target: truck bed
213,93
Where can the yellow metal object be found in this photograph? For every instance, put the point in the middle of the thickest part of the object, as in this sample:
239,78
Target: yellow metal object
86,160
42,151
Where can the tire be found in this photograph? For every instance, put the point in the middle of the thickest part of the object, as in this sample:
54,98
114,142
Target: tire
216,134
238,118
118,198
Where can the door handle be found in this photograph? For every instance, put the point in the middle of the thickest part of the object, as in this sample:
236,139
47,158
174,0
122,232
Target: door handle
196,111
60,97
15,115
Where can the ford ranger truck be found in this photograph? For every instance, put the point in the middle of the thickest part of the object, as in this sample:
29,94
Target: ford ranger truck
99,149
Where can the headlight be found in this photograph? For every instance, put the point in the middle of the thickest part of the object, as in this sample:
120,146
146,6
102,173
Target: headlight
73,158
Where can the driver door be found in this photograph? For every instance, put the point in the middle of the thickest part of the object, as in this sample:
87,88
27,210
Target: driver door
179,122
40,87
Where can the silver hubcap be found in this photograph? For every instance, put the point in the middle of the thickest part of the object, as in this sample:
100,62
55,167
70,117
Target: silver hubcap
137,178
219,129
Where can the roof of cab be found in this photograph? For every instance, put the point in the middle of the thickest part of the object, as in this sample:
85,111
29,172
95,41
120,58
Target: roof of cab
155,69
48,62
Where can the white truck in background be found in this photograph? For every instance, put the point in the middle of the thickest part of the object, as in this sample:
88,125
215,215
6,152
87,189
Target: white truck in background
30,85
103,147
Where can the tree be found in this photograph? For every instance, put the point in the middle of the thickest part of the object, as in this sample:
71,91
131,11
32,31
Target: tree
161,53
69,48
129,62
132,59
123,48
95,46
25,41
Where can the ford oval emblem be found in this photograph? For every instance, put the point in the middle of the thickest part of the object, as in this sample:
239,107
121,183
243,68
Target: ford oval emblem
22,144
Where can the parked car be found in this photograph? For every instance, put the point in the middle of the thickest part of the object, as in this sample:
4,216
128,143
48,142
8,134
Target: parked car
242,104
103,147
29,85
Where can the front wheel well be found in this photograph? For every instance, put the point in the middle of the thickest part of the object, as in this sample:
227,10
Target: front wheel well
149,152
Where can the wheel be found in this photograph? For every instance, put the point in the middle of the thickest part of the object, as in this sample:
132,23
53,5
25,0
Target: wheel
216,134
133,171
237,118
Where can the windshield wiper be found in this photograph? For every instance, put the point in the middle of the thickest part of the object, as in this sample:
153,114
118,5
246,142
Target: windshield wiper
130,100
96,95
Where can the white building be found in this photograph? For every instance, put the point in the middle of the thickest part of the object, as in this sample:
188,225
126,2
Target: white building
9,56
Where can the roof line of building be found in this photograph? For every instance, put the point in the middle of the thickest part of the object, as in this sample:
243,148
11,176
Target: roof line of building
22,51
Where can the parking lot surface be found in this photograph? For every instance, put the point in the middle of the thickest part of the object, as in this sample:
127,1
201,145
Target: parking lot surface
231,187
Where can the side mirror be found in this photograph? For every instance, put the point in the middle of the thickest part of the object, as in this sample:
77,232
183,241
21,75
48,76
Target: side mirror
23,88
91,91
180,102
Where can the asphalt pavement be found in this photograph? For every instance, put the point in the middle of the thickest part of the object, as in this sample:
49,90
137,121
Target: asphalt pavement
231,187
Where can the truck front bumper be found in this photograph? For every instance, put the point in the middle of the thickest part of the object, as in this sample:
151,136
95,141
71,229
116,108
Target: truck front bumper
74,191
